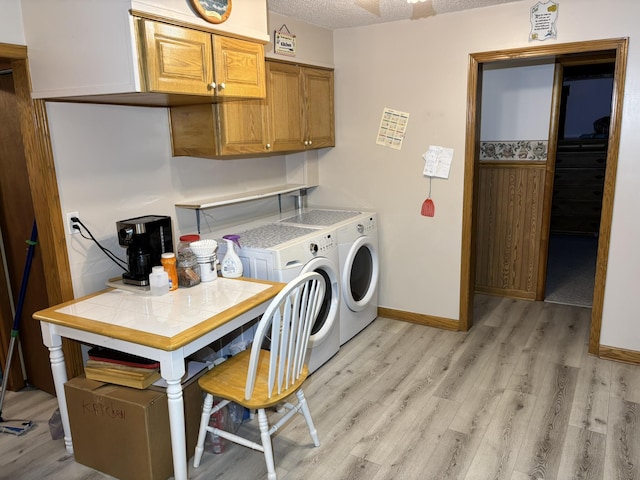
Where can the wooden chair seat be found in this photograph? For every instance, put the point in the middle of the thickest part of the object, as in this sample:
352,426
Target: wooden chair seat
228,379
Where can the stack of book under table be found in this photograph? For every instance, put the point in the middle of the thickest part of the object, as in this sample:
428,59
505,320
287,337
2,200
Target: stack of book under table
111,366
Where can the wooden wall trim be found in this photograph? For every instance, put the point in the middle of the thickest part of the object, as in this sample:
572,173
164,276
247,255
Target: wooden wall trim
606,216
12,52
469,198
505,292
619,354
44,188
44,193
419,318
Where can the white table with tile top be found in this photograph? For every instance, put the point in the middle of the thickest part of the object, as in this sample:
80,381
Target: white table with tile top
166,328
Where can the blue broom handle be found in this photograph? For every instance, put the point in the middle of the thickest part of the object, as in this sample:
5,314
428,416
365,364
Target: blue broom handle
25,279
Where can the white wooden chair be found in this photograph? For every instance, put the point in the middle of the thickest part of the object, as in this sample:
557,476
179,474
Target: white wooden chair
258,378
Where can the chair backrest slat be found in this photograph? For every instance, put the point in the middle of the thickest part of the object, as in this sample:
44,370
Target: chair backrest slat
288,322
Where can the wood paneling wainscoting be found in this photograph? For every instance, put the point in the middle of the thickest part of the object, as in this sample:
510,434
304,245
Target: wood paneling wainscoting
510,202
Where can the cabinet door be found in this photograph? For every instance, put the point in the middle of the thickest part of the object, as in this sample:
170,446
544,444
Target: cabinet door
219,130
285,111
318,91
175,59
193,130
239,68
242,127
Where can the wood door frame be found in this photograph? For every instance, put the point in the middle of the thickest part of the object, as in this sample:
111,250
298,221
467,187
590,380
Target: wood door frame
472,146
44,191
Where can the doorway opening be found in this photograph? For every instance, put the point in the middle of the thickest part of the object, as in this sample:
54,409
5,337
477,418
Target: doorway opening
616,48
581,160
29,120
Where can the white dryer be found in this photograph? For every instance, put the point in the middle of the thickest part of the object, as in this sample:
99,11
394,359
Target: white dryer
281,253
357,237
359,274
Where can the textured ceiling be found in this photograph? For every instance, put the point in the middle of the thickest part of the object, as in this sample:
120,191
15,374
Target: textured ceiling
353,13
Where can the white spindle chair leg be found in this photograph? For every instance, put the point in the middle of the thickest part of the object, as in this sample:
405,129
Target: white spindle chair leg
307,416
202,433
266,444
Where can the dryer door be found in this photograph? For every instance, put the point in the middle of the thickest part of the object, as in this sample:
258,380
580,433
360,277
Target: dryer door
327,317
360,274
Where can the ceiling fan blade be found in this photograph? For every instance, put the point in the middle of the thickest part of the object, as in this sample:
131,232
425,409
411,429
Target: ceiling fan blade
371,6
422,10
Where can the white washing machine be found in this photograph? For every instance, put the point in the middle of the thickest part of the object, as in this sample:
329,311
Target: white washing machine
280,253
357,237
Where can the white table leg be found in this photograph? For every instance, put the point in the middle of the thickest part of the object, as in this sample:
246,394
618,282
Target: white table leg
59,371
172,373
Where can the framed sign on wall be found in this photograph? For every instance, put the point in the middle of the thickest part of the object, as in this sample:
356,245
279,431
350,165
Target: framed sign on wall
213,11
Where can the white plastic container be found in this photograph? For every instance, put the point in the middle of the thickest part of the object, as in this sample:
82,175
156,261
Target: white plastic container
231,263
159,281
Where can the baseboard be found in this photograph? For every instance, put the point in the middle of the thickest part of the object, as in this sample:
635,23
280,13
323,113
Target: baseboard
428,320
619,354
505,292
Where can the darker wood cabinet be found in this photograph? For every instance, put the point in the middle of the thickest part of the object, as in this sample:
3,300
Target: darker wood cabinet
578,186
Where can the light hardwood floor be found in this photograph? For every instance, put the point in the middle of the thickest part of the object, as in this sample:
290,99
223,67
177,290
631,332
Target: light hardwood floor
515,398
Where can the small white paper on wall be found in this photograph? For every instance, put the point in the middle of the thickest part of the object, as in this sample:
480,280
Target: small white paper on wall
393,126
437,161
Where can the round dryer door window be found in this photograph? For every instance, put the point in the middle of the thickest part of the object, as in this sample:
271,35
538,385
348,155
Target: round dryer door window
360,276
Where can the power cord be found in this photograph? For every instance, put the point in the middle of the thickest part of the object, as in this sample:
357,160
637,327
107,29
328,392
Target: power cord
77,224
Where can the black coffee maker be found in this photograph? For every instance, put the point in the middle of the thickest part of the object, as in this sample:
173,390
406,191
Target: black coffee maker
146,239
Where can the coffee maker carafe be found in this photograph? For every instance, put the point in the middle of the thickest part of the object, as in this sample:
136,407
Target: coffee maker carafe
146,239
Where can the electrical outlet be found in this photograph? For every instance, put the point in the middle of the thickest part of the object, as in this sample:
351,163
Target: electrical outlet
70,223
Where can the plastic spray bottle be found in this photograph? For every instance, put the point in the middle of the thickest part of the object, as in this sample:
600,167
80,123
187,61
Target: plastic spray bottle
231,264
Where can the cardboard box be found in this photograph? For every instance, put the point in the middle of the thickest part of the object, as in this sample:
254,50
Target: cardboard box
123,431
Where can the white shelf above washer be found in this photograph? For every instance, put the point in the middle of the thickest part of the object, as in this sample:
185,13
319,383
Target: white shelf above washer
240,197
234,198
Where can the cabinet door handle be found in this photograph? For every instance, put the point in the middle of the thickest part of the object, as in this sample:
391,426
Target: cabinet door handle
310,142
212,85
306,143
221,86
268,145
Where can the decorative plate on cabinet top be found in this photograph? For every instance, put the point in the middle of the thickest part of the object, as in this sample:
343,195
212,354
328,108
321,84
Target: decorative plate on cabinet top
213,11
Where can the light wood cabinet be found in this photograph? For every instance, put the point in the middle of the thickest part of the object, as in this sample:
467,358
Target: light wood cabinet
300,107
296,115
219,130
185,61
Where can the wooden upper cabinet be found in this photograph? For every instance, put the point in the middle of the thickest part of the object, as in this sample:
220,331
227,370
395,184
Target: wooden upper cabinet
176,59
224,129
318,88
285,110
296,115
300,107
185,61
239,68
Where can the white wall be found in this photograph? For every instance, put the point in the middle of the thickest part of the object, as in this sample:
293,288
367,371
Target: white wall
11,30
381,66
516,103
115,163
314,45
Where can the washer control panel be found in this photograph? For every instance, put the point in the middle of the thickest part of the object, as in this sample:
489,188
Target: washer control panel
323,244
